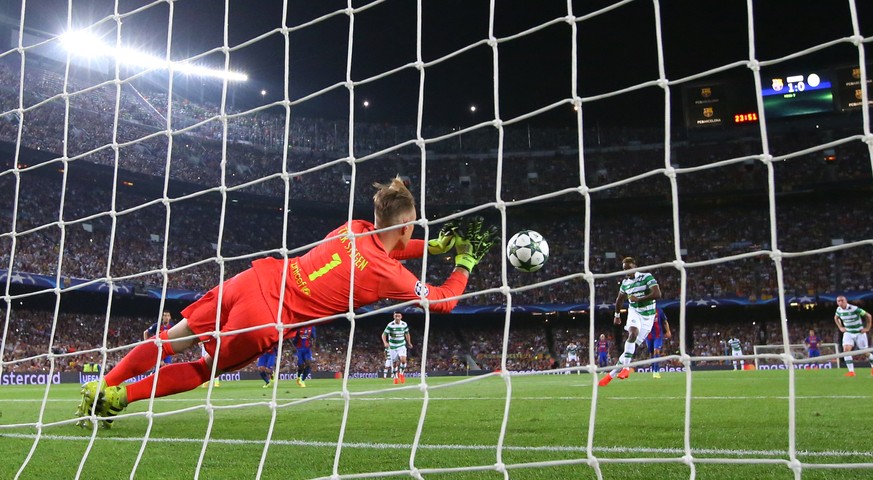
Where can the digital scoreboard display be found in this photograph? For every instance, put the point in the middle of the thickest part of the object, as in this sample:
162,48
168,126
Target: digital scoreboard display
798,93
748,117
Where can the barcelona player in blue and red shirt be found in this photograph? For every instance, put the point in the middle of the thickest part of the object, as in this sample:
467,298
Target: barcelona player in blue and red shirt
246,309
811,343
266,365
655,339
304,339
602,351
158,328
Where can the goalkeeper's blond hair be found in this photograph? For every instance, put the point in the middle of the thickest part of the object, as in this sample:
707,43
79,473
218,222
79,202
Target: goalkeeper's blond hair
391,202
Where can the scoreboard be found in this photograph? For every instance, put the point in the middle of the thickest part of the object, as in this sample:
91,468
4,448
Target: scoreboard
796,92
786,92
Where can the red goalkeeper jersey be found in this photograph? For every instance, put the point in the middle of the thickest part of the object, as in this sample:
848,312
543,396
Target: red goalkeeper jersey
318,283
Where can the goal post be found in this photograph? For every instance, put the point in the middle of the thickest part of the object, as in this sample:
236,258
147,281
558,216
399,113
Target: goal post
829,354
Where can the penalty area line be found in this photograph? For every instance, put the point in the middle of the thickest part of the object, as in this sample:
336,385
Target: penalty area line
402,446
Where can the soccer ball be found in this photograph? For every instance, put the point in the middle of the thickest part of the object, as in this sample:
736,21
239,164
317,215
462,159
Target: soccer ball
527,251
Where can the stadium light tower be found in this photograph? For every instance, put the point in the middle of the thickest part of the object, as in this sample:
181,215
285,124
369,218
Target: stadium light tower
84,44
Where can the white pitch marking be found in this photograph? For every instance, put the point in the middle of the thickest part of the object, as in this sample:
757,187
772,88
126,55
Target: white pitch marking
402,446
467,399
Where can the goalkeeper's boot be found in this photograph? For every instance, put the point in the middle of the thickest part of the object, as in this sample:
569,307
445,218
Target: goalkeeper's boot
217,383
624,373
302,384
605,380
298,380
270,384
87,406
114,402
656,375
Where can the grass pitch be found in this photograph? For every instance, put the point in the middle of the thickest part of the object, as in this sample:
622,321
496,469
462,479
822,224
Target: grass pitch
639,430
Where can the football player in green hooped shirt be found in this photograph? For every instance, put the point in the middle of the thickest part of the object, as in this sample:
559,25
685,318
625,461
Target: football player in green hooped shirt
641,290
854,322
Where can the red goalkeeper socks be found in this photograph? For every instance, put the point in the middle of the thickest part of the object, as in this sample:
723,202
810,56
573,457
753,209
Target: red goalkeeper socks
173,378
138,361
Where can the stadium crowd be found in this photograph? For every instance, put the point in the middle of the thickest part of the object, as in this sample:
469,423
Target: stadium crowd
60,224
189,232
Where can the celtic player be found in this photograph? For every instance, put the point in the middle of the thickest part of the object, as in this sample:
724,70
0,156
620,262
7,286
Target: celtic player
573,356
396,337
736,350
640,290
854,322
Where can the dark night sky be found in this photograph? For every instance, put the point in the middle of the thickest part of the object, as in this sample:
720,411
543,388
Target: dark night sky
615,50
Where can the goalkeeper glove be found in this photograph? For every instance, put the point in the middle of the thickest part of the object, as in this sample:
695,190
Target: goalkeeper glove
472,243
444,242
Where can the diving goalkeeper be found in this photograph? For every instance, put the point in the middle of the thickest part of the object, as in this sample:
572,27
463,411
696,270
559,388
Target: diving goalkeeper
316,286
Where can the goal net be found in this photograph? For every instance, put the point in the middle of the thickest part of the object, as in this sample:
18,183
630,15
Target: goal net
765,357
153,150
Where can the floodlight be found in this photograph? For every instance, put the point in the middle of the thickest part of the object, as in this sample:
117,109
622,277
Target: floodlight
84,44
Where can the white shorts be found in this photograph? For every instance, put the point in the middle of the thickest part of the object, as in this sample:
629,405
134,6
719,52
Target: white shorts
388,362
858,340
572,358
398,352
643,323
736,353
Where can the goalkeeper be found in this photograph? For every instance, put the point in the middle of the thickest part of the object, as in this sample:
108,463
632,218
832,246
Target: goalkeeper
316,286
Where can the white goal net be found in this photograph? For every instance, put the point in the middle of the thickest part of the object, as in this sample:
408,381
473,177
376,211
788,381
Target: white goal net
150,151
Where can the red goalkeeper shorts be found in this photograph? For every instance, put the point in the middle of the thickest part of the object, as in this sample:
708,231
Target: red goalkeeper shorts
242,306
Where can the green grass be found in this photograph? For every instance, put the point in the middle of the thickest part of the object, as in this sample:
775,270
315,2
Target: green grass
734,415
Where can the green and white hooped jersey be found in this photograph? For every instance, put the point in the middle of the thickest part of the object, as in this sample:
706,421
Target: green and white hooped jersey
735,344
572,349
852,318
396,334
640,284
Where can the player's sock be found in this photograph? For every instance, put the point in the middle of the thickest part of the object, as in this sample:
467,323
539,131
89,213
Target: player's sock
627,357
174,378
264,377
138,361
306,371
850,364
402,369
656,367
